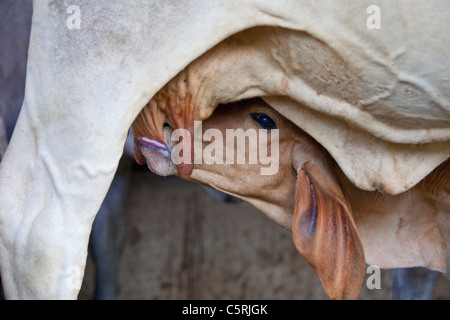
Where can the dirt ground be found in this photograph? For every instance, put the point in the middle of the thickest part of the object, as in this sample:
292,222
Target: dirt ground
182,243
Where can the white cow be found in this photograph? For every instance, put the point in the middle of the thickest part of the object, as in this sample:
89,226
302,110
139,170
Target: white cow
86,85
108,230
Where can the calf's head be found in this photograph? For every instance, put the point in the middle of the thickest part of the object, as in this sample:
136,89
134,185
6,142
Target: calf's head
249,150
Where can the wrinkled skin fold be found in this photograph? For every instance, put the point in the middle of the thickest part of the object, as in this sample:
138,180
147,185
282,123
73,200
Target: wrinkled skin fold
86,87
301,70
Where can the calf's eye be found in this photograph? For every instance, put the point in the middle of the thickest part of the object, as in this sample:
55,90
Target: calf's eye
264,121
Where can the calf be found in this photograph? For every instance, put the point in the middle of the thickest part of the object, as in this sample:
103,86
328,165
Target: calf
336,227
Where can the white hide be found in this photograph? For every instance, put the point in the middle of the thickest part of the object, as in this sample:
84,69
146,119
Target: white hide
85,87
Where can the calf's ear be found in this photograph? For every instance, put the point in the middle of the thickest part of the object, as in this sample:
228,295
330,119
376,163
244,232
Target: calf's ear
325,234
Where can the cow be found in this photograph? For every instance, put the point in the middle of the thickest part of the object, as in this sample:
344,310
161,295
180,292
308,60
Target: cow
381,94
